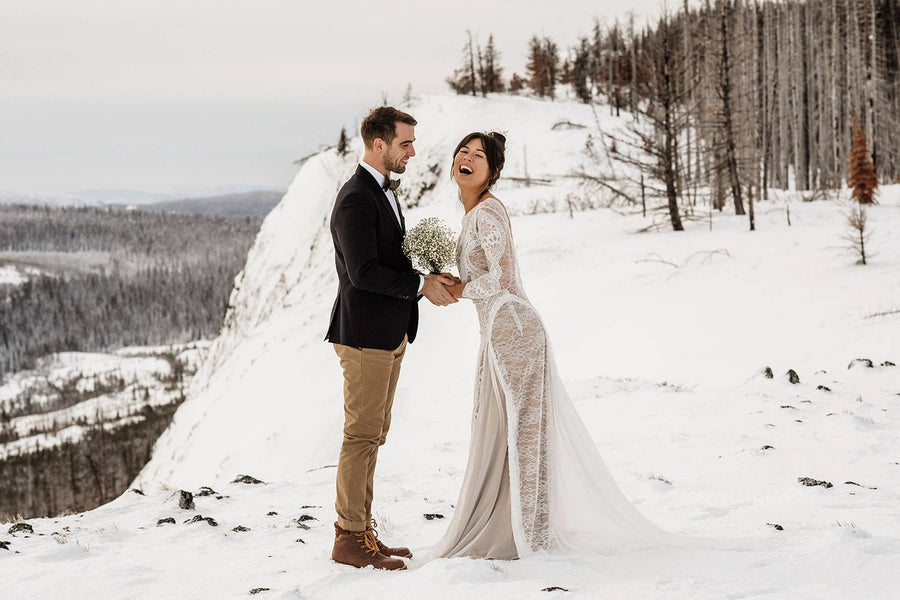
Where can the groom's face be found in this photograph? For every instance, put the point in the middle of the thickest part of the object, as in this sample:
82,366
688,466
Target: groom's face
401,149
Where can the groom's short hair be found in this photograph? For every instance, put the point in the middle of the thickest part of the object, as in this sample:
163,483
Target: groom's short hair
380,124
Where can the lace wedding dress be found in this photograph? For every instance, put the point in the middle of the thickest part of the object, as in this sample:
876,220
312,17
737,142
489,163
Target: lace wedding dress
535,480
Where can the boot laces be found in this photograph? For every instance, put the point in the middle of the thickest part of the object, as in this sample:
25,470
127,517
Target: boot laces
369,541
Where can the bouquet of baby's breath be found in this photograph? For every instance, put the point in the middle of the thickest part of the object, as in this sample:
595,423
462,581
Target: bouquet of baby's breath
430,245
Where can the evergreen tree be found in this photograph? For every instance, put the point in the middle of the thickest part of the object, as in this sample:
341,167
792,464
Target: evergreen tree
465,79
551,57
492,73
343,145
517,83
576,71
538,69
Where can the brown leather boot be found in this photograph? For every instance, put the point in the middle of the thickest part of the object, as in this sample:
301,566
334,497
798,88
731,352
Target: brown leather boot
360,549
387,551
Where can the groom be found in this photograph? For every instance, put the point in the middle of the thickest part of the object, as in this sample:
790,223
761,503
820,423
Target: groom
374,316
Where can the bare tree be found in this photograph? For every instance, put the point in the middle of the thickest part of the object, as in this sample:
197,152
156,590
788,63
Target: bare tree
858,236
654,135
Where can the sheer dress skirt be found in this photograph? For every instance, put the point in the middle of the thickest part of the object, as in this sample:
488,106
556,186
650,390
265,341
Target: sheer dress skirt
489,512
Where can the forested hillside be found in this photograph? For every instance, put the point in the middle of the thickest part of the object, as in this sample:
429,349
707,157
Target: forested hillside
729,98
97,279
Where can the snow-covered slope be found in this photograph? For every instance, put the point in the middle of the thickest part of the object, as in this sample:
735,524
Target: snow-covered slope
270,372
660,338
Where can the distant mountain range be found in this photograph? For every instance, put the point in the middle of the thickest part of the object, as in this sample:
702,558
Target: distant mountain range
257,203
236,202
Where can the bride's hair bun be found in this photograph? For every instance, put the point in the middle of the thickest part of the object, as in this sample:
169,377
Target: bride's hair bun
499,137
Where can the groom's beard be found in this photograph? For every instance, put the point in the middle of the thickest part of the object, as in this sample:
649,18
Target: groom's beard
394,164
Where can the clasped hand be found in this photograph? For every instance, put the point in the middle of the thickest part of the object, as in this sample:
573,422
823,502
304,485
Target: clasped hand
442,289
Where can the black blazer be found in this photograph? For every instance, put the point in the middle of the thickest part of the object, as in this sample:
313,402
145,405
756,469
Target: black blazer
376,303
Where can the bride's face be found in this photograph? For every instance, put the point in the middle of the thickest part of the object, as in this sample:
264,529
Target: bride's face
470,165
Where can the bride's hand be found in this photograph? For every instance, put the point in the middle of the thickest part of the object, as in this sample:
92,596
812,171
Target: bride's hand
456,290
453,277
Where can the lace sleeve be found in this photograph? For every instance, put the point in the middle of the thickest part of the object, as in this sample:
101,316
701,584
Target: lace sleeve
492,231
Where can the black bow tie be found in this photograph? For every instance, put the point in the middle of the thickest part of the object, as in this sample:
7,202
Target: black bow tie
390,184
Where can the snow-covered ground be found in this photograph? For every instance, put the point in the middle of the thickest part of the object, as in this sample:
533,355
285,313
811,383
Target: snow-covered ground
660,338
10,275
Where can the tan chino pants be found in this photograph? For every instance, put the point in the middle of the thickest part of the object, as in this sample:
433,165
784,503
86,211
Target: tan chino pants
370,379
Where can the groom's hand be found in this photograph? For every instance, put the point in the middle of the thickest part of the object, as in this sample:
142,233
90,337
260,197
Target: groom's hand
455,279
435,289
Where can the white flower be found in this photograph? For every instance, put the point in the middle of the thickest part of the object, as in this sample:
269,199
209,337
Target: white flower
430,245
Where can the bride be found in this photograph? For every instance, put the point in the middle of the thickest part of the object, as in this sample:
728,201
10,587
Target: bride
535,481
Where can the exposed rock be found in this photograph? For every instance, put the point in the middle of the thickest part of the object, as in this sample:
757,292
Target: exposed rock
169,520
814,482
207,491
860,362
859,485
258,590
888,363
767,372
823,388
4,546
300,540
299,521
137,491
186,500
271,513
198,518
792,376
776,526
309,506
559,125
767,447
432,516
21,527
247,479
788,406
241,529
554,588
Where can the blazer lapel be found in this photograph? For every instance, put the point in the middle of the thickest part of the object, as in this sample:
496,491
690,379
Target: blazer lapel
400,211
382,198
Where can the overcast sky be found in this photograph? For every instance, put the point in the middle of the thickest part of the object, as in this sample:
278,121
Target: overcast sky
188,95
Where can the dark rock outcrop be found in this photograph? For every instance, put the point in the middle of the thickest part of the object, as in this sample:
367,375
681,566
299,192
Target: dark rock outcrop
198,518
186,500
809,481
247,479
20,527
